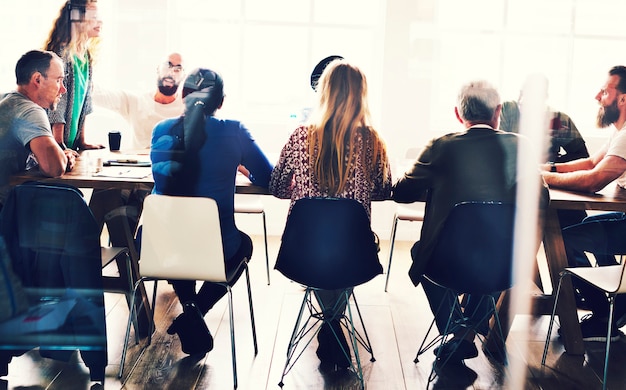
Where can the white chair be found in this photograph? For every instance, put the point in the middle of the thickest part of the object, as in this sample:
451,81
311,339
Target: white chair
181,239
403,213
408,213
251,204
610,280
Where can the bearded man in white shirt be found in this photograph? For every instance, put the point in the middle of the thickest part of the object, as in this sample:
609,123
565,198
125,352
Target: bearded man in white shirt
144,111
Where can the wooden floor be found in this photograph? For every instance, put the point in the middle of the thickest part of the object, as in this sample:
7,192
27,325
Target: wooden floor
396,322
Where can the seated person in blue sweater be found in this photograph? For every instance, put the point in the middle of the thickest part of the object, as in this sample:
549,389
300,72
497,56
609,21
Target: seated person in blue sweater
198,154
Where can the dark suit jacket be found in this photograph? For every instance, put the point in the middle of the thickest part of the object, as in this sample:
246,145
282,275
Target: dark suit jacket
479,164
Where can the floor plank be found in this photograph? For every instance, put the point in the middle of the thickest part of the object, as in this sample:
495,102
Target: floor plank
396,322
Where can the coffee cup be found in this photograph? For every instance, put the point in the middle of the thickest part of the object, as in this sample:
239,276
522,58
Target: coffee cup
115,139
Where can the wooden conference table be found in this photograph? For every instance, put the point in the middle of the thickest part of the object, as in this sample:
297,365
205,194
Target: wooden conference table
611,198
130,176
126,177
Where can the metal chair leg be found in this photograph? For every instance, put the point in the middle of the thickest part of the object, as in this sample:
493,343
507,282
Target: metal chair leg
434,341
392,242
232,333
132,316
608,341
353,337
556,300
297,335
253,322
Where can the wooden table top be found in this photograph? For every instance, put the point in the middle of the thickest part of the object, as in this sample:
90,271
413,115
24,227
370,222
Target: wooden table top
120,177
611,198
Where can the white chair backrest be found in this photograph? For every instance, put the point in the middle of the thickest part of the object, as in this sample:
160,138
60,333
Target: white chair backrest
622,278
181,239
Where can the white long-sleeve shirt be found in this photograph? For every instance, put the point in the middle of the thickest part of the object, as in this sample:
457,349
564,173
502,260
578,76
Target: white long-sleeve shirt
140,110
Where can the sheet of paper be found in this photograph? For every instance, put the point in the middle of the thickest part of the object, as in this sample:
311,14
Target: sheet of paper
41,318
124,172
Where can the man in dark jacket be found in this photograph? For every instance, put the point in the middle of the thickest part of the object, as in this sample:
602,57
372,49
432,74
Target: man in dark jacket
478,164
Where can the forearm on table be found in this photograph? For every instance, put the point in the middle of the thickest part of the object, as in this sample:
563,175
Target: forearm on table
584,181
51,159
582,164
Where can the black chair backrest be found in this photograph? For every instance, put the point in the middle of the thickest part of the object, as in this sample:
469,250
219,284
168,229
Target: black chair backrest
474,251
52,236
328,243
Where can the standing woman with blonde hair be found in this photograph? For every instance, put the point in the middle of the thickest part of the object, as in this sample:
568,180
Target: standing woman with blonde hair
338,154
74,37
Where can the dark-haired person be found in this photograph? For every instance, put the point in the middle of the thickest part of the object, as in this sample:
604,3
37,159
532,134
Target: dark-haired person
144,111
603,234
198,154
24,125
337,154
565,142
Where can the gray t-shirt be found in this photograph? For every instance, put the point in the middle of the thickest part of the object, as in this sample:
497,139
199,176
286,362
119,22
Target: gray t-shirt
21,120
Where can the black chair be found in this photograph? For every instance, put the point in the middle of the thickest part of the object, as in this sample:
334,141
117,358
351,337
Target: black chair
54,244
473,256
328,244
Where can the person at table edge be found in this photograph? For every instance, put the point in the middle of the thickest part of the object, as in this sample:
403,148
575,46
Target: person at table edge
477,164
198,154
603,234
24,124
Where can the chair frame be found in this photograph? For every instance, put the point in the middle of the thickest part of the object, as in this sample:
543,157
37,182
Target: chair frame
402,214
305,331
133,314
611,291
457,305
226,281
242,209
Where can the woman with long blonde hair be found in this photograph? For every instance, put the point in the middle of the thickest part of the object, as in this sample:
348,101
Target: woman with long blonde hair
338,154
74,37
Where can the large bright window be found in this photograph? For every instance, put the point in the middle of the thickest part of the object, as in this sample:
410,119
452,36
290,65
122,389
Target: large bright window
573,43
415,53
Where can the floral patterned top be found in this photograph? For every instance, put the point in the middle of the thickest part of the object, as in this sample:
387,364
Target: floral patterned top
292,178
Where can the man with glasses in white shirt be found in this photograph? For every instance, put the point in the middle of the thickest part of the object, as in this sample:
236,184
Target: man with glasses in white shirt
144,111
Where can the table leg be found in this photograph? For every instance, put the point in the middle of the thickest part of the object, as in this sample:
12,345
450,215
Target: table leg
566,309
102,203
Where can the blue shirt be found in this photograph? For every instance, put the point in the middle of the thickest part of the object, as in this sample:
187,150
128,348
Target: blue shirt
209,167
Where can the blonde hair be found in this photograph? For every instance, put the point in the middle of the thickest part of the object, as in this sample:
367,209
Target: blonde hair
341,117
76,42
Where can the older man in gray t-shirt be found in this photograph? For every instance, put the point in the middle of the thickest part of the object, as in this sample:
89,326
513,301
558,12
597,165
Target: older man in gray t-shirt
21,120
24,125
